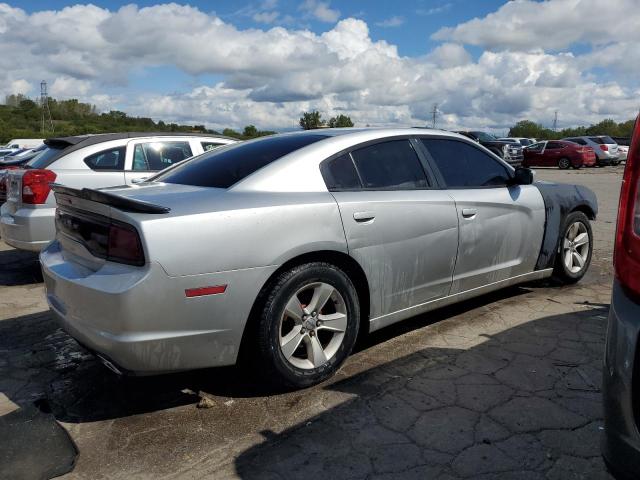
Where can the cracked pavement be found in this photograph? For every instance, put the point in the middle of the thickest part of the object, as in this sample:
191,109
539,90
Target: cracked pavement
503,386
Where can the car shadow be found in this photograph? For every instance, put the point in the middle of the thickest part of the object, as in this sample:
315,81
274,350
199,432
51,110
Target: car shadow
18,267
524,403
70,382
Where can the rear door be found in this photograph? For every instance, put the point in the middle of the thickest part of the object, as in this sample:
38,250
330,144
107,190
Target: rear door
147,156
501,225
400,229
533,155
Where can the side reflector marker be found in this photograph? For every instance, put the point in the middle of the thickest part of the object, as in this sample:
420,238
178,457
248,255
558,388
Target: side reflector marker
201,291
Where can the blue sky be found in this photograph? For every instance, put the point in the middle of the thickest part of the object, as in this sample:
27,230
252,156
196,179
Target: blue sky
486,63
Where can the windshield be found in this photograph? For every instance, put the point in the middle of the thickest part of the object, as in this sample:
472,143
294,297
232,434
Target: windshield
44,158
222,168
484,137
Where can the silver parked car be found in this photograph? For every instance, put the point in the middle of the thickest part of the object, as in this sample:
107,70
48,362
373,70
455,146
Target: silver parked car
621,372
605,147
27,218
284,248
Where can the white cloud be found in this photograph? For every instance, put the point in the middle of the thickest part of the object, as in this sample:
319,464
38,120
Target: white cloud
269,76
320,11
434,10
266,17
394,21
551,24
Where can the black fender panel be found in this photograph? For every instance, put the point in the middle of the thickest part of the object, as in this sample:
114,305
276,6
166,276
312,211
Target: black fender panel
560,199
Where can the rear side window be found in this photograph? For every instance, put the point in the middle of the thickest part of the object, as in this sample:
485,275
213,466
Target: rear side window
45,158
463,165
389,165
221,168
580,141
206,146
340,174
554,145
112,159
156,156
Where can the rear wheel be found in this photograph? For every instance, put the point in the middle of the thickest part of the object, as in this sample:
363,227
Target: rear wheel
577,166
308,325
576,247
564,163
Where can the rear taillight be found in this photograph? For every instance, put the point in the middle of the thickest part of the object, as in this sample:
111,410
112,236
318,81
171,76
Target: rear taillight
35,186
626,256
604,148
124,245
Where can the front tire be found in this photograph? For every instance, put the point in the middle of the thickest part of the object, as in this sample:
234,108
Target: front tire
308,325
575,249
564,163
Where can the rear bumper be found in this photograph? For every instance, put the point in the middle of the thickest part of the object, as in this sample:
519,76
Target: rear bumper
27,228
621,439
140,318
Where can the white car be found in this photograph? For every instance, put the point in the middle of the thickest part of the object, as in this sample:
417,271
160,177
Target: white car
525,142
27,218
623,152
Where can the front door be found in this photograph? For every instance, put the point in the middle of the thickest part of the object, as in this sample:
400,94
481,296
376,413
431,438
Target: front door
501,225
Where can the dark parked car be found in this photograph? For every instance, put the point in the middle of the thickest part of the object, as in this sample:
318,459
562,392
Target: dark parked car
510,152
621,373
558,153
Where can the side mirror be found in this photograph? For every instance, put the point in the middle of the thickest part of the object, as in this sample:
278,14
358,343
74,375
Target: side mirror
523,176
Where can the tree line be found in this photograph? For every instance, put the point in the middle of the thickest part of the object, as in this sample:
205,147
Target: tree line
21,117
529,129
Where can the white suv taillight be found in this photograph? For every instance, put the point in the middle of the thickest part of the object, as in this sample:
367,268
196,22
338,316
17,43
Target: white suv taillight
627,248
35,186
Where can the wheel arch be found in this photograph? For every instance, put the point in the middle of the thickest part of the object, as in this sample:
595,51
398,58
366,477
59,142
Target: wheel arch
345,262
586,209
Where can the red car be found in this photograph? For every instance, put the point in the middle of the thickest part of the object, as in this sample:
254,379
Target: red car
558,153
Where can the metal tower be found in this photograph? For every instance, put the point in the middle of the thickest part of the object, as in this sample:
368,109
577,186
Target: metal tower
555,122
44,104
434,114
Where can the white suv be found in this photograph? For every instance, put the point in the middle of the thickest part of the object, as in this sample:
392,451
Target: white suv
27,219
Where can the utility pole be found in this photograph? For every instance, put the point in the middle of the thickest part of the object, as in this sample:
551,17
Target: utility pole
434,114
44,104
555,122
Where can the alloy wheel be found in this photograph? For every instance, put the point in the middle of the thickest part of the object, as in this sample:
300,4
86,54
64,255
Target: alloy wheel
313,325
576,247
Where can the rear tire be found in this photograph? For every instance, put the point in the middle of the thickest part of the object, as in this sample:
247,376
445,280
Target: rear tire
308,325
575,248
577,167
564,163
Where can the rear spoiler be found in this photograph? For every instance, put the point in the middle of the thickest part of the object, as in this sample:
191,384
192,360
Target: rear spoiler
121,203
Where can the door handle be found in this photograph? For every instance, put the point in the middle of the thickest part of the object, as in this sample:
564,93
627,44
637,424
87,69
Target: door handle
364,217
469,212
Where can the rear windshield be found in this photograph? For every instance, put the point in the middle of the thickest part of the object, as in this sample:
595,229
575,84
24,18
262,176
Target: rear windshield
222,168
44,158
602,140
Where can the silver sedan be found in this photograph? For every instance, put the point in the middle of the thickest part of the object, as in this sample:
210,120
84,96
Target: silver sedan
285,248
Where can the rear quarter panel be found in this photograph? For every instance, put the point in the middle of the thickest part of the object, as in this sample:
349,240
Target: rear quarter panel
243,230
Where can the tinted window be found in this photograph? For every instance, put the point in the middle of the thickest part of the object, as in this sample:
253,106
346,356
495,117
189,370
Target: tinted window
340,174
484,137
159,155
463,165
554,145
44,158
602,140
580,141
222,167
206,146
389,165
112,159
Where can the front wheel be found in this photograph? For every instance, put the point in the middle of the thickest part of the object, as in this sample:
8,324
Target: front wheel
576,247
308,325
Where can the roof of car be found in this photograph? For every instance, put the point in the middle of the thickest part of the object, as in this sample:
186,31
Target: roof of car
73,143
